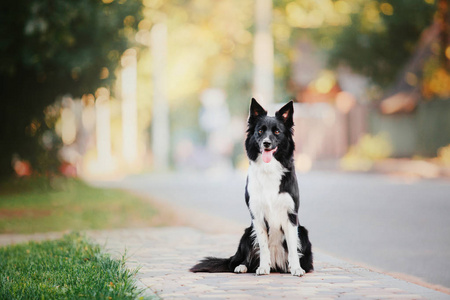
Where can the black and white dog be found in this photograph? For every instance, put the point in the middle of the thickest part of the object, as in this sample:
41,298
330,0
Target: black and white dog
275,241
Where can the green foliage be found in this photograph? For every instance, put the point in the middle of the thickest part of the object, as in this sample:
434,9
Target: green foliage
368,149
380,37
444,155
42,205
50,48
375,38
66,44
67,268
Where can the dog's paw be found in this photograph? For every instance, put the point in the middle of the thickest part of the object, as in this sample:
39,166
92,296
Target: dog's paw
263,270
298,272
240,269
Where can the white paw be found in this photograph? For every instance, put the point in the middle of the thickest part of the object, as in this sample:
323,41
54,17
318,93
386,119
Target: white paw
263,270
240,269
298,272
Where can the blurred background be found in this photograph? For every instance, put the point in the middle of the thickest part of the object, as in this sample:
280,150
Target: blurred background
104,89
97,88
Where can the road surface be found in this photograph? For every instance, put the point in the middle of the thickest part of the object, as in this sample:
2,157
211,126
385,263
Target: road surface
387,223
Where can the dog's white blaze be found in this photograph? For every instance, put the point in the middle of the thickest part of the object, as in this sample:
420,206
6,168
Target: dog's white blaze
267,203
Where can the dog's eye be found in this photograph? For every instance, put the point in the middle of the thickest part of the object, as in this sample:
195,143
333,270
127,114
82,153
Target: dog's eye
277,132
260,131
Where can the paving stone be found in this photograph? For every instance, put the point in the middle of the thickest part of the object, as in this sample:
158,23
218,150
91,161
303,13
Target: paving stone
165,255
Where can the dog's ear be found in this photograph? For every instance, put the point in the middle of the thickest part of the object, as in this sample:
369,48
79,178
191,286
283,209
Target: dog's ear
256,110
286,113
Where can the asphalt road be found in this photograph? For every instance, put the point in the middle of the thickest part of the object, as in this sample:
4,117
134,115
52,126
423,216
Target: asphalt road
391,224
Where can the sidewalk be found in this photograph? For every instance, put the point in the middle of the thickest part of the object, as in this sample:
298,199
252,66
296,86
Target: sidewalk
164,256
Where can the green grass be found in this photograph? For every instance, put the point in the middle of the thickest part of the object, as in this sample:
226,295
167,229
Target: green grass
39,205
68,268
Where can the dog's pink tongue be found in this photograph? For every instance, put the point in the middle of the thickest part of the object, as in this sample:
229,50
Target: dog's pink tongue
267,155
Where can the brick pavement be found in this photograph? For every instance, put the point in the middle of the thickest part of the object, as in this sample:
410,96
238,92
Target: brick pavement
164,256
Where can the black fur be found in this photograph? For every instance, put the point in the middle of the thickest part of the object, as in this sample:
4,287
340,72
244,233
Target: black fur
293,218
260,127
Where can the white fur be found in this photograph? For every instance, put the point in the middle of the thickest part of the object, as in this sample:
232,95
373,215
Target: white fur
267,203
240,269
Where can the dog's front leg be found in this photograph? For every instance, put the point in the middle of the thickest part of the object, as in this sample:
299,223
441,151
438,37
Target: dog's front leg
264,253
293,244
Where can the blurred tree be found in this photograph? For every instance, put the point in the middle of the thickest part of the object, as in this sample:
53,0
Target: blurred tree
50,48
375,38
436,72
209,46
380,36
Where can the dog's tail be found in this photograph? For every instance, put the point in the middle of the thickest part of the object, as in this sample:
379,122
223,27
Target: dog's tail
212,265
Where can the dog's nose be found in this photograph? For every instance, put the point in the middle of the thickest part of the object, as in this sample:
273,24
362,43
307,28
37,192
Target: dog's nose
267,144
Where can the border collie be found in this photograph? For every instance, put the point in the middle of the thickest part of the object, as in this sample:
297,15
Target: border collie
275,241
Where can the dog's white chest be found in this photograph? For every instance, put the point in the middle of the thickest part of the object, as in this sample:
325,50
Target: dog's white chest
264,190
264,179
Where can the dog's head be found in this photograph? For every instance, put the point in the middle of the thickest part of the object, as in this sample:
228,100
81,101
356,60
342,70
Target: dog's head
270,136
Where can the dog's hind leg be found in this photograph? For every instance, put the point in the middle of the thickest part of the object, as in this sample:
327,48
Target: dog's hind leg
240,269
240,261
306,260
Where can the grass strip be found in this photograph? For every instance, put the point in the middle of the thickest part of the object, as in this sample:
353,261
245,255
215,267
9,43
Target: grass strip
67,268
39,205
